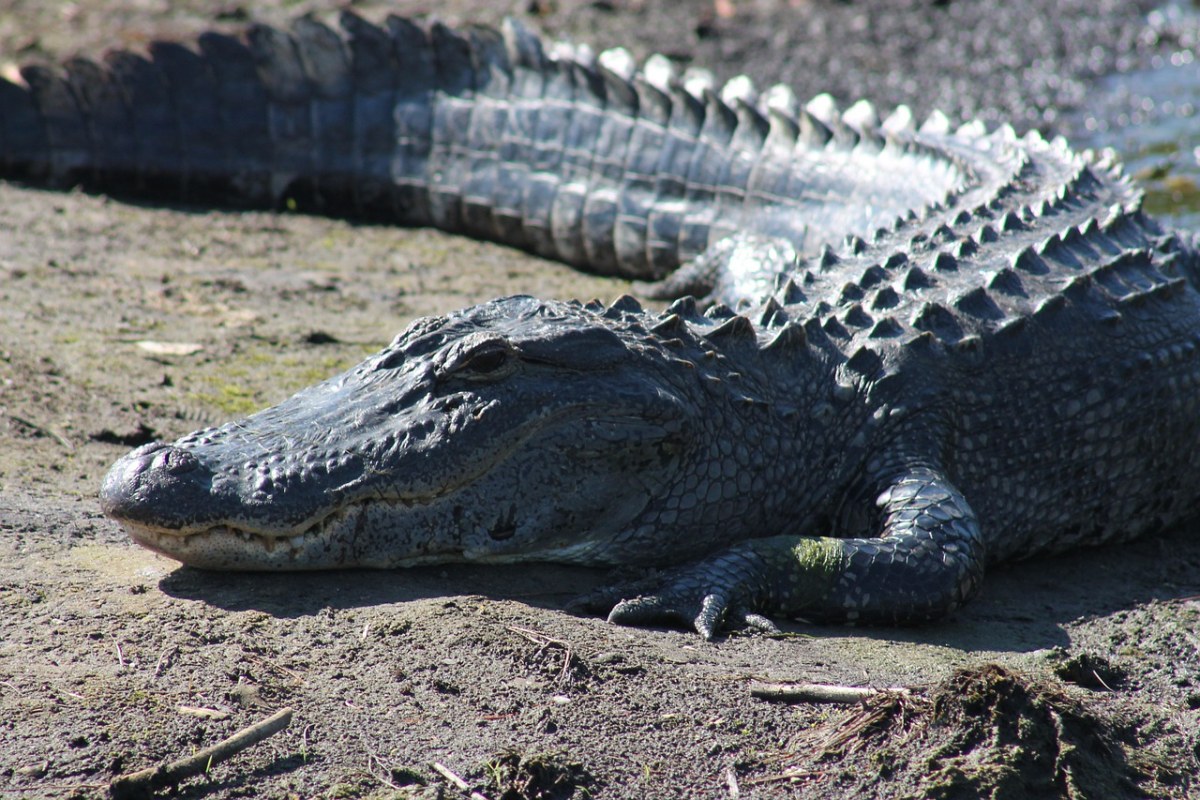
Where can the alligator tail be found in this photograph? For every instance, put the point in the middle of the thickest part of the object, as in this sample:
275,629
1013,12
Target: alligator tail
478,132
303,117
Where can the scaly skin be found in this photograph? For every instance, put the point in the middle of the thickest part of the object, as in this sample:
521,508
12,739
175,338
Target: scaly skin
953,347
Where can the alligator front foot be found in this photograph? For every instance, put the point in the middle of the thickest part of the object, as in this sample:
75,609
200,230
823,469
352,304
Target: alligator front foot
927,562
687,602
726,591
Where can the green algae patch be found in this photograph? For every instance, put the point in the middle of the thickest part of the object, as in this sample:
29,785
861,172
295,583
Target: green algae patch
264,374
230,399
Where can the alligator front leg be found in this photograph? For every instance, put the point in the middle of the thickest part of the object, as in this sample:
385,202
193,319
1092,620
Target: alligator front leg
927,561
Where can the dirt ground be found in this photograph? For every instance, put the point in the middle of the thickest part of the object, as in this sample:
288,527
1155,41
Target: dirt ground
1077,676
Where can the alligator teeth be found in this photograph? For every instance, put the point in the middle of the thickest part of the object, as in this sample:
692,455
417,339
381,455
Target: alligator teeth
297,541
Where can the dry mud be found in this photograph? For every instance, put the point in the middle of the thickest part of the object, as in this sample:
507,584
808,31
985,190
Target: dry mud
1077,676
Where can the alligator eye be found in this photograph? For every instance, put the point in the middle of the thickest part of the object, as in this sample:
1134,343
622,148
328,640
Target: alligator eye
491,360
486,361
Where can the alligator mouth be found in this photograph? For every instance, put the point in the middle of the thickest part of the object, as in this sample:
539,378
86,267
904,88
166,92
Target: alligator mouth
174,544
326,543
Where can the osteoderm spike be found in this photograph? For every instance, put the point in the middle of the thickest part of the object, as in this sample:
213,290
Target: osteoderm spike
626,303
827,258
900,120
916,278
684,307
791,293
936,123
736,327
670,323
824,108
790,337
659,72
813,132
719,311
781,136
770,310
886,328
618,61
964,248
698,81
862,115
865,362
781,98
740,88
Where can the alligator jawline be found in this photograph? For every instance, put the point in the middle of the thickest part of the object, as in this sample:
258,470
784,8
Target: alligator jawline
225,544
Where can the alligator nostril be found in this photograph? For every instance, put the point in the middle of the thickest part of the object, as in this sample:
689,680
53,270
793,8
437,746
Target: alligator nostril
175,461
154,476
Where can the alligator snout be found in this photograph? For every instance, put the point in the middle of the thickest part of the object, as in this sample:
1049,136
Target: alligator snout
157,484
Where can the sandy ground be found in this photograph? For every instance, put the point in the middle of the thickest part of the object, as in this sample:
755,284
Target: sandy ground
122,323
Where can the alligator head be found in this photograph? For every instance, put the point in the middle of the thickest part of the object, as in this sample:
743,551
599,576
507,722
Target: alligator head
519,429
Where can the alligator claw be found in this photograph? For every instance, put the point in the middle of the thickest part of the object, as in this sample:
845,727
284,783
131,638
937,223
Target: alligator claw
710,615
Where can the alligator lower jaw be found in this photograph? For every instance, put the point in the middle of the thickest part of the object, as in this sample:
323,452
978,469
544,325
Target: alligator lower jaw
223,547
320,546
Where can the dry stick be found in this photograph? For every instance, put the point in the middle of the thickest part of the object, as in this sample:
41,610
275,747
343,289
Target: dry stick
45,431
815,692
731,783
450,775
145,782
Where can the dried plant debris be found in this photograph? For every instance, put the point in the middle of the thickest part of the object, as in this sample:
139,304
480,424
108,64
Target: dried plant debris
985,732
1089,670
512,775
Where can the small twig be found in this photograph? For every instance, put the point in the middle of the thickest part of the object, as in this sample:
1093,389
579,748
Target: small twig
543,641
164,660
731,782
385,769
462,785
52,787
45,431
203,713
262,662
537,637
816,692
1100,680
145,782
789,775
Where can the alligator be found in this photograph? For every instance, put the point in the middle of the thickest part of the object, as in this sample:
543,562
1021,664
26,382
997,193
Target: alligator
895,353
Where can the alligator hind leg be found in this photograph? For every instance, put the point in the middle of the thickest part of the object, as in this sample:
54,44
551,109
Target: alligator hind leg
927,562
